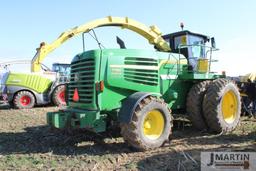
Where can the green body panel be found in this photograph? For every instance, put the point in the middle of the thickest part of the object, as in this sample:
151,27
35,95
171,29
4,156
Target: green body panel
33,82
124,72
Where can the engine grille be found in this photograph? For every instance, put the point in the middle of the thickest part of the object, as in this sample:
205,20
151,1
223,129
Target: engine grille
82,78
141,70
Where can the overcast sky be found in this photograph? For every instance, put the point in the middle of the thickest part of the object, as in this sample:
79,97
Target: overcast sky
24,24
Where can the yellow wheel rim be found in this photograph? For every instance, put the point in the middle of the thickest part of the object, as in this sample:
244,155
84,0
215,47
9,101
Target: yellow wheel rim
229,106
153,124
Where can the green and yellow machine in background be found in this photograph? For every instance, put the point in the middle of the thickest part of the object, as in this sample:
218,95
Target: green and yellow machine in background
25,90
140,89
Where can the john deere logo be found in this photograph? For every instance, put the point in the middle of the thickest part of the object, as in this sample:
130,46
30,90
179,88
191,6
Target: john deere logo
76,78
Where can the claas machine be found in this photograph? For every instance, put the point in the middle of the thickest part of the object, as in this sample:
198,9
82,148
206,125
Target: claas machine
25,90
140,90
39,87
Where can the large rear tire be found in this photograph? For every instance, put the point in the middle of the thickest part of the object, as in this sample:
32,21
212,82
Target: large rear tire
150,126
24,100
222,106
58,96
194,105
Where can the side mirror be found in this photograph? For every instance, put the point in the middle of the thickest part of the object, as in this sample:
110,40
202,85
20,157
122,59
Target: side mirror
213,42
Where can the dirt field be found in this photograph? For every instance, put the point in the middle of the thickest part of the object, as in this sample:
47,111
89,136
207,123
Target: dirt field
26,143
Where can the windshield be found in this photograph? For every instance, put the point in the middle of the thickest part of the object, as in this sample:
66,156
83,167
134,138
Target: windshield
62,69
197,48
195,45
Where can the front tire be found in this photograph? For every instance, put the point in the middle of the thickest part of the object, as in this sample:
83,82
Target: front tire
150,126
24,100
222,106
58,96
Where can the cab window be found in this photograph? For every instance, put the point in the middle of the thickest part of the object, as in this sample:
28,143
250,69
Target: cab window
197,46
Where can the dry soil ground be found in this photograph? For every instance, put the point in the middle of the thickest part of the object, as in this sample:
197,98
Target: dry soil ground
26,143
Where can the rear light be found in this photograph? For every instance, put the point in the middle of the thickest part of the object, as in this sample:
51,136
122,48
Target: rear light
100,86
76,96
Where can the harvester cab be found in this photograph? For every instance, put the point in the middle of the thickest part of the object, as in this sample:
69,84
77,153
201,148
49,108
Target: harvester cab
63,71
61,68
194,47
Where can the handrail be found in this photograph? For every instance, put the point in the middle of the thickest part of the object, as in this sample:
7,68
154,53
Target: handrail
211,49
